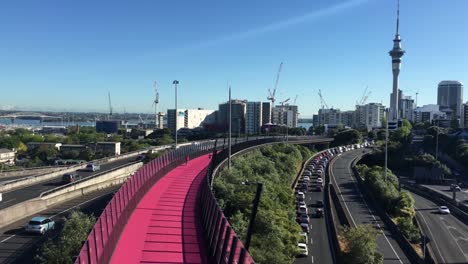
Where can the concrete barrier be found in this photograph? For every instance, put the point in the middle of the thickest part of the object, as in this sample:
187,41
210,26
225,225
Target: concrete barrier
27,208
29,171
12,185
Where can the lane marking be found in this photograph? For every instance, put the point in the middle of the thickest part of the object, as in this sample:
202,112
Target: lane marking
312,258
22,231
454,238
373,217
432,235
342,198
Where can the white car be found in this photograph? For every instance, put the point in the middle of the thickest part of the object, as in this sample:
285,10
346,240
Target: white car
304,237
303,251
300,196
302,209
444,210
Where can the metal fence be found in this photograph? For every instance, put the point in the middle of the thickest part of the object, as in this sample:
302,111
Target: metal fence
103,238
222,243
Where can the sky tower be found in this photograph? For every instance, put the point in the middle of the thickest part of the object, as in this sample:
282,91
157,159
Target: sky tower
396,53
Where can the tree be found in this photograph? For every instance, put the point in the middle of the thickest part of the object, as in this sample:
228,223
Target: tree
68,244
346,137
319,130
362,245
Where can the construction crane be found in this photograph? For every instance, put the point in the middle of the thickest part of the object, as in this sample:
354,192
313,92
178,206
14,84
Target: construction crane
110,106
272,94
295,99
285,101
416,105
155,103
365,96
322,101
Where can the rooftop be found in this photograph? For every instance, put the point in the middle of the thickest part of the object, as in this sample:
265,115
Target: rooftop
4,150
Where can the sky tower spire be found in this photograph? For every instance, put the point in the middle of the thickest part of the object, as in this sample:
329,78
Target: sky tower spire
396,53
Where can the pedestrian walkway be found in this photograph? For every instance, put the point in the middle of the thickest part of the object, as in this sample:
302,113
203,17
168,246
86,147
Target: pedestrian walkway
164,227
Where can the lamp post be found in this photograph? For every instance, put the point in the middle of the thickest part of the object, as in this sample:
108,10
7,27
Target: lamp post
437,141
386,146
253,214
230,128
176,82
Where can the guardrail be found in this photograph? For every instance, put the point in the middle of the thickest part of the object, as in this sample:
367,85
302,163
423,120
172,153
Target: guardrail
85,179
105,234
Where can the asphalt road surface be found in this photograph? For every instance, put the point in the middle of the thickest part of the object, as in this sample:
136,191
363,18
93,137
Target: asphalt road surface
448,236
445,190
33,191
318,244
360,211
19,247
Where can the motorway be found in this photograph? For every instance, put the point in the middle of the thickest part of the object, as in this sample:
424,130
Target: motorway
448,236
445,190
32,191
16,246
318,244
359,210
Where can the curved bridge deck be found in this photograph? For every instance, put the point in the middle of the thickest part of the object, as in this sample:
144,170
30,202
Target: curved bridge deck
164,227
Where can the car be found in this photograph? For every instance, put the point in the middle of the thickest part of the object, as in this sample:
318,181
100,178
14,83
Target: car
444,210
92,167
302,218
70,177
319,180
301,203
319,212
40,225
300,196
305,227
306,178
303,251
319,203
304,237
302,209
456,188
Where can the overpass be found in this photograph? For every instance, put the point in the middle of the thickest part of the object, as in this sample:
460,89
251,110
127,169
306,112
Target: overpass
167,213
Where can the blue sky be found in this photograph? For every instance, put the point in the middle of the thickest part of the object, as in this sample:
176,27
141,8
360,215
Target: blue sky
66,55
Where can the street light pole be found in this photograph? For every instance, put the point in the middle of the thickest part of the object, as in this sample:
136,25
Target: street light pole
437,141
386,147
256,202
175,82
230,121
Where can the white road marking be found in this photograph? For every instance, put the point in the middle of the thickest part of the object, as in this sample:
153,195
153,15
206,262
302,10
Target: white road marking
311,241
11,200
432,235
454,238
342,198
312,259
373,217
8,238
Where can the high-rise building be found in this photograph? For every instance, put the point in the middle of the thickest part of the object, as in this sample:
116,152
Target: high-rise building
161,120
253,118
172,119
464,115
315,120
450,94
199,117
370,115
329,116
396,53
266,113
238,109
427,113
407,108
286,115
348,118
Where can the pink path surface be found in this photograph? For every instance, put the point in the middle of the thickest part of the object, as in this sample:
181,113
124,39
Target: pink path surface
163,228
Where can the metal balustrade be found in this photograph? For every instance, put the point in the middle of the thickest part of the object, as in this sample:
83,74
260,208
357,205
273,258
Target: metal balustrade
222,243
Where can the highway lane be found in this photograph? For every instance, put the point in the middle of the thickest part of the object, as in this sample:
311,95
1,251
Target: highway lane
445,190
16,246
448,236
33,191
318,242
360,211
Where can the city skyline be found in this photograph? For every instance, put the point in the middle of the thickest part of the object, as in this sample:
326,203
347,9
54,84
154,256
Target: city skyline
247,58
